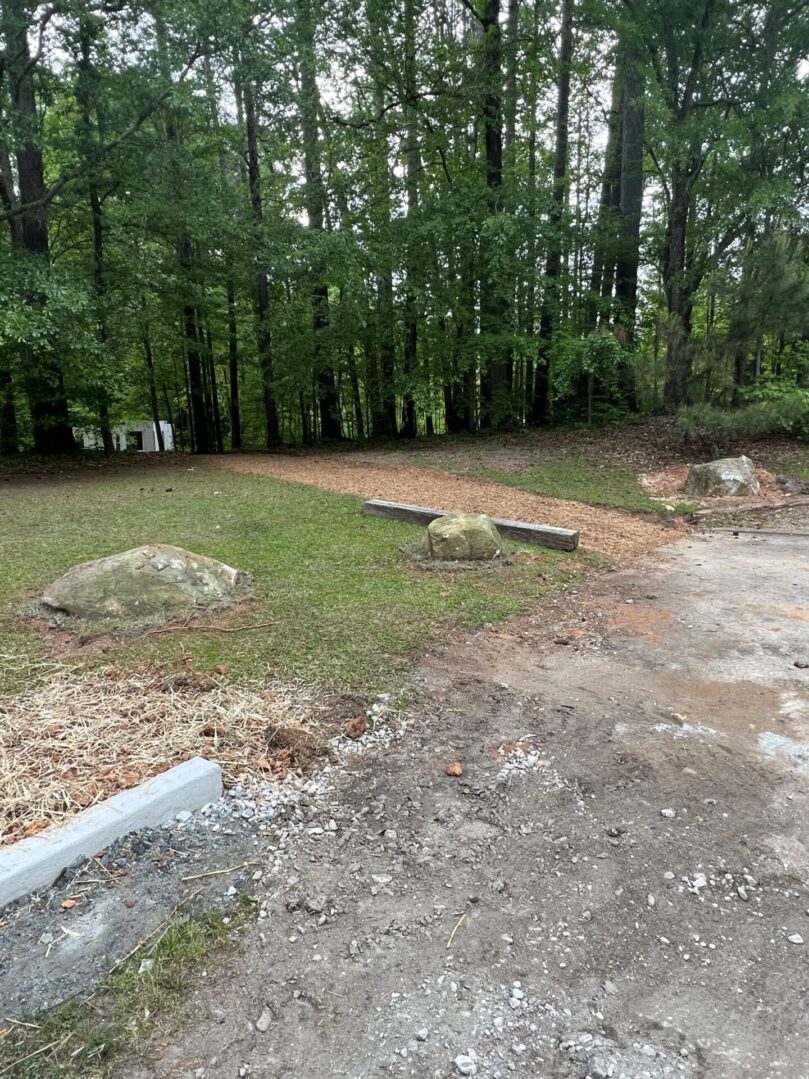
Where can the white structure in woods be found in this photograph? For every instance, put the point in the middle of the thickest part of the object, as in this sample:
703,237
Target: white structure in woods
139,435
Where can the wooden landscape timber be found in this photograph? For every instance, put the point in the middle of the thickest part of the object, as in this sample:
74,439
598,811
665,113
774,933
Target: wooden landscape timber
560,539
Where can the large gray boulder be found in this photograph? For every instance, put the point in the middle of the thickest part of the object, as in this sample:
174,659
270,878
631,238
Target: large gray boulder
727,476
157,580
462,537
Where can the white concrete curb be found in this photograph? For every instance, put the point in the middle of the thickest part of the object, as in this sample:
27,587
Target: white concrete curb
35,863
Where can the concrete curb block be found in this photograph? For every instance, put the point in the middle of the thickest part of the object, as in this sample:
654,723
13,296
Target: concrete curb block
35,863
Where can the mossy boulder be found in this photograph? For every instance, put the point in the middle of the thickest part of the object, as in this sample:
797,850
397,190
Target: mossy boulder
463,537
145,583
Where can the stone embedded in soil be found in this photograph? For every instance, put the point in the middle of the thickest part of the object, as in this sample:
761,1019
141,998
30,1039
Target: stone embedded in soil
465,1065
462,537
726,476
145,582
264,1020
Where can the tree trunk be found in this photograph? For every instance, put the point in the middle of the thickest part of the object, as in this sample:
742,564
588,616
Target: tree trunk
262,293
464,340
233,367
309,105
85,92
42,375
9,434
412,170
680,277
383,404
200,442
631,200
230,289
551,304
679,296
214,385
147,354
387,354
526,398
604,250
496,406
195,386
356,396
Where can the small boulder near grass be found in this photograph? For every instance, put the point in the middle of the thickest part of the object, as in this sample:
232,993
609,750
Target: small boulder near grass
462,537
727,476
146,583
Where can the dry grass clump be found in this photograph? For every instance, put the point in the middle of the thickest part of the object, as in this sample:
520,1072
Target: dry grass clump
77,739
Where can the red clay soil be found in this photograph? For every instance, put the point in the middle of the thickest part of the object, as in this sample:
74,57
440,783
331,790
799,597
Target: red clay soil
619,536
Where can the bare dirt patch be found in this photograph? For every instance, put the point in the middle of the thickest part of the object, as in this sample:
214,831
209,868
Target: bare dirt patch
68,637
618,536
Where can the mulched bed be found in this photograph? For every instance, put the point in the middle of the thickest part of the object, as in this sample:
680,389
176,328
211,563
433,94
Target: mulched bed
618,536
77,739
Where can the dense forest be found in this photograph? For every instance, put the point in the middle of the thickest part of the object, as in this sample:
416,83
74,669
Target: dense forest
271,223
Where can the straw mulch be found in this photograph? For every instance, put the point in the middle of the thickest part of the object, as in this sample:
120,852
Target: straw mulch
77,739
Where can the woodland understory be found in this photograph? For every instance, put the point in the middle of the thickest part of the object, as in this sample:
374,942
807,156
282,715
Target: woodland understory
278,223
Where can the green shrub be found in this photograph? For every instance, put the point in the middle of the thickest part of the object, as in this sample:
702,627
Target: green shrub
768,411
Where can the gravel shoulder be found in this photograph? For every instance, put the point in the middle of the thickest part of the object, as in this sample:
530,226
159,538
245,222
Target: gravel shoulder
618,536
616,885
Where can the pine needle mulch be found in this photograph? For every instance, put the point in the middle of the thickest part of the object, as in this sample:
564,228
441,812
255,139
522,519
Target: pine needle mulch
620,537
77,739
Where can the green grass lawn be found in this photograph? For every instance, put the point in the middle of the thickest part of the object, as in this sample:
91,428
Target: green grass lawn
795,464
347,609
584,479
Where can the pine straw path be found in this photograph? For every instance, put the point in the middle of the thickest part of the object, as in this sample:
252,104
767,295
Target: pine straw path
617,535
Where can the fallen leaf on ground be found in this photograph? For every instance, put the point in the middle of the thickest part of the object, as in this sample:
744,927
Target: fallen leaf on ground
33,828
356,727
454,769
68,904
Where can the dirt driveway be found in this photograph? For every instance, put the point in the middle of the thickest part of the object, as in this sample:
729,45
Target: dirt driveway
616,886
